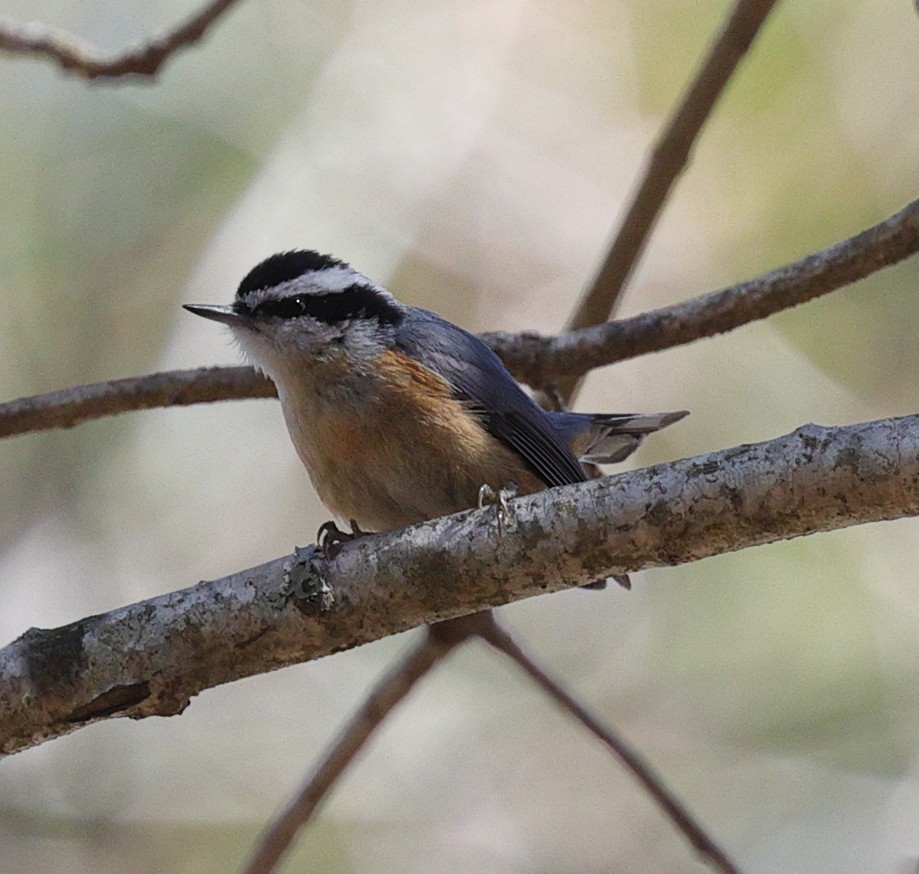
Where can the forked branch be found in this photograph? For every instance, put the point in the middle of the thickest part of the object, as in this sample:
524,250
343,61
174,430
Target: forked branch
81,60
441,639
669,157
543,361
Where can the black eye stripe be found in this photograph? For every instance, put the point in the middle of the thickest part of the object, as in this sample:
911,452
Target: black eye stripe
355,302
285,308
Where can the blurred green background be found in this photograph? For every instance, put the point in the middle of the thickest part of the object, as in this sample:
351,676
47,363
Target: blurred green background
473,157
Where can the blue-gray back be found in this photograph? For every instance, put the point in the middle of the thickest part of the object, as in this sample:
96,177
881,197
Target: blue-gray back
478,376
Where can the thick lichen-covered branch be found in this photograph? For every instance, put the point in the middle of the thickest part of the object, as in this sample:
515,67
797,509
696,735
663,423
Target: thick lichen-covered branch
153,657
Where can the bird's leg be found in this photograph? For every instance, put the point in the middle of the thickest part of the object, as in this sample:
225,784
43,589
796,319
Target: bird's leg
356,530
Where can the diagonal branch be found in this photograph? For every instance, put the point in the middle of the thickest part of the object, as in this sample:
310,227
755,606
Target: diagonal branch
668,159
439,641
542,361
539,361
381,701
86,62
684,821
151,658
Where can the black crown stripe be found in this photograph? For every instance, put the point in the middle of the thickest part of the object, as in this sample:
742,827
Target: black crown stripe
282,268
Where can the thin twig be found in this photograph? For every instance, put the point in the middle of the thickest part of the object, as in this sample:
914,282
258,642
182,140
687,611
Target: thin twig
394,686
536,360
438,642
667,161
640,769
543,360
84,61
71,406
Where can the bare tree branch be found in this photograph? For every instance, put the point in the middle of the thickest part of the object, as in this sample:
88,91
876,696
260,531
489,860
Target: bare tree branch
542,361
439,641
539,361
88,63
71,406
633,762
381,701
152,657
668,160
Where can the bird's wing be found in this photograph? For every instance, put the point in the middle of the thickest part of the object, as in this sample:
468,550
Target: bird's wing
477,375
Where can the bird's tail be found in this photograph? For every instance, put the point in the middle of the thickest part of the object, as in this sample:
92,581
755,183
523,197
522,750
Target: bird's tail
600,438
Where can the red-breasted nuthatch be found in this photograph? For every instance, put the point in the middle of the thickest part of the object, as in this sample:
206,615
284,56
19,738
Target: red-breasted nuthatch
399,415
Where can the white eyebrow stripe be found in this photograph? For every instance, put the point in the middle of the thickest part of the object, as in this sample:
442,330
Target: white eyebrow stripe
332,281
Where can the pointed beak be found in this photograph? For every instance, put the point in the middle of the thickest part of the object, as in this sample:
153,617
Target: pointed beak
225,314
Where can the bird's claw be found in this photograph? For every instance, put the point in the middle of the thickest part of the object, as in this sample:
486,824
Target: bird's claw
500,501
330,537
622,579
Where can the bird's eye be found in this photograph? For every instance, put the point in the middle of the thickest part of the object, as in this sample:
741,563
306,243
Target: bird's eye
299,304
285,308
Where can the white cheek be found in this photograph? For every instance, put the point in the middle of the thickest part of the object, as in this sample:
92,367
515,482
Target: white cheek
258,350
293,356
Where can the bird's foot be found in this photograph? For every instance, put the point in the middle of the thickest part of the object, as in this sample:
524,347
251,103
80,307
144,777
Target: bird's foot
500,501
330,537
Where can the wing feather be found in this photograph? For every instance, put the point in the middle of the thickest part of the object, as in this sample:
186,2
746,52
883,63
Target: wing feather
478,376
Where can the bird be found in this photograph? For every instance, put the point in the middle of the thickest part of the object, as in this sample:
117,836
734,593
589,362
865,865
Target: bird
399,415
